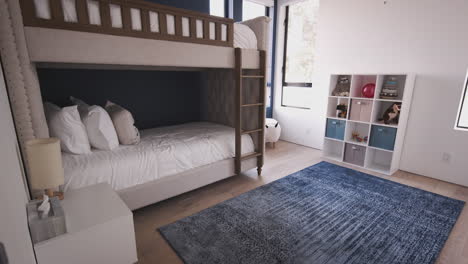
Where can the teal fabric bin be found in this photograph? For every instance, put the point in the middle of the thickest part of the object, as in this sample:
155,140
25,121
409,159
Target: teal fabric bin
335,128
383,137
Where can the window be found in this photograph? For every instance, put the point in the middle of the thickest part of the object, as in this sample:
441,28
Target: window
217,8
462,117
252,10
299,53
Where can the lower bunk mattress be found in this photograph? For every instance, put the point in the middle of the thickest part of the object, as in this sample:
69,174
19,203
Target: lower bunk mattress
162,152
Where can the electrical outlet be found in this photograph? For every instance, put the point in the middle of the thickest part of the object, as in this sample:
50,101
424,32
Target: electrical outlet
446,157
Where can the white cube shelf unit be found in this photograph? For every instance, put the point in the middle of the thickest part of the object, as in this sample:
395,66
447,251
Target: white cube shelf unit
359,136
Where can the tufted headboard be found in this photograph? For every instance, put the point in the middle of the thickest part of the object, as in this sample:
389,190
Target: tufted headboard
20,75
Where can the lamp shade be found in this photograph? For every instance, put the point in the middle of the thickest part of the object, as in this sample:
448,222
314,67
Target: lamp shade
45,163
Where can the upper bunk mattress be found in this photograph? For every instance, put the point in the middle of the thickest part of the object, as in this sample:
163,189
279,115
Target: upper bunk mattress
162,152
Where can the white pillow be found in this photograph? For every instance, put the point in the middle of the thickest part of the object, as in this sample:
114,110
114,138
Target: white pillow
123,121
99,126
244,37
82,106
261,28
65,124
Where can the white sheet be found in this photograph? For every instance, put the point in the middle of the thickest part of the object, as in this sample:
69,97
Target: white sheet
69,11
136,18
93,12
116,16
244,37
162,152
154,21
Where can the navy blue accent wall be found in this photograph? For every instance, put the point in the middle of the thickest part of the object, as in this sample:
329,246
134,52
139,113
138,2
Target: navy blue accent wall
155,98
195,5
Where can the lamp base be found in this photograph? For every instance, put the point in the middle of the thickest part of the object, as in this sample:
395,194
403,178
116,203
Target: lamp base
51,193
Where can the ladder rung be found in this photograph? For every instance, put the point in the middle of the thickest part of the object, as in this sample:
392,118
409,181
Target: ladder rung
251,131
253,76
249,105
251,155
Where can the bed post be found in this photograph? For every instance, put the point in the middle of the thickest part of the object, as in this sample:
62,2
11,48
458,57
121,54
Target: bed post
238,104
261,113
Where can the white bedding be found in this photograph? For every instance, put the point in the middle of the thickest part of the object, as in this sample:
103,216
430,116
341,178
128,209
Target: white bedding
162,152
243,36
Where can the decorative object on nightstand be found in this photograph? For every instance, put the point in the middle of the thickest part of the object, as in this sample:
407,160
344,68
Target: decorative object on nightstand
392,114
45,165
390,88
99,229
368,90
342,87
44,208
272,131
45,218
342,110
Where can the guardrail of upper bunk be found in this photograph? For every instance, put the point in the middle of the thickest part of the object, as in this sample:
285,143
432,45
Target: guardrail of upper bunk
133,18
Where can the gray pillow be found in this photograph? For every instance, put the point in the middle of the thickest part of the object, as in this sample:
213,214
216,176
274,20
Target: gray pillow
123,121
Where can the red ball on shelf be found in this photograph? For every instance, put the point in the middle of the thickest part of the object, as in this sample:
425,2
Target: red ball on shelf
368,90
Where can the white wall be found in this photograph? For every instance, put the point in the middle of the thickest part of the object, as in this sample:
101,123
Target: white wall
300,126
14,231
425,37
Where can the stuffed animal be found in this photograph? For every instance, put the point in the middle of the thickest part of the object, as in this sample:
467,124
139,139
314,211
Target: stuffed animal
390,88
392,114
342,110
272,131
342,86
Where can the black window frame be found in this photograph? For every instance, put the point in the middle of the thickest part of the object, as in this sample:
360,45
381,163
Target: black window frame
283,69
462,104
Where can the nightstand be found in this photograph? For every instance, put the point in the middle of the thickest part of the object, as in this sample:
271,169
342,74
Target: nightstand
99,230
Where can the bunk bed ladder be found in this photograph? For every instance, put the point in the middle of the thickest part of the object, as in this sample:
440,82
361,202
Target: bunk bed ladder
260,131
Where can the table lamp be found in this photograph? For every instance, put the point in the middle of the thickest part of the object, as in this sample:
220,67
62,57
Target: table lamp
45,165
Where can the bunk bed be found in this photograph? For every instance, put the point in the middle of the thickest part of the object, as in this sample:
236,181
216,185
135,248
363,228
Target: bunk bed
95,31
135,34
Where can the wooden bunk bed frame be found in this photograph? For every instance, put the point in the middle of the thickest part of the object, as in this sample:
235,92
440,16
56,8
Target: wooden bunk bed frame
42,36
57,21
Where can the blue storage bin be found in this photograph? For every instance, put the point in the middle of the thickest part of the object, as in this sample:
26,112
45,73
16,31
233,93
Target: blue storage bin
383,137
335,129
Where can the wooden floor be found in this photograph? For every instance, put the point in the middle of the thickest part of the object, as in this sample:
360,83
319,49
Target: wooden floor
285,159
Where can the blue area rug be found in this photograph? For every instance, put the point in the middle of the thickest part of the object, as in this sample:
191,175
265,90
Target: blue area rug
322,214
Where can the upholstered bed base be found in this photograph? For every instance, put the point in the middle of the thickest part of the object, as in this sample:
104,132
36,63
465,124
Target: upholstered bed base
151,192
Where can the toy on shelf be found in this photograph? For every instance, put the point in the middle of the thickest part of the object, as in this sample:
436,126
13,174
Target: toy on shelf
357,137
342,110
392,114
368,90
342,86
390,88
